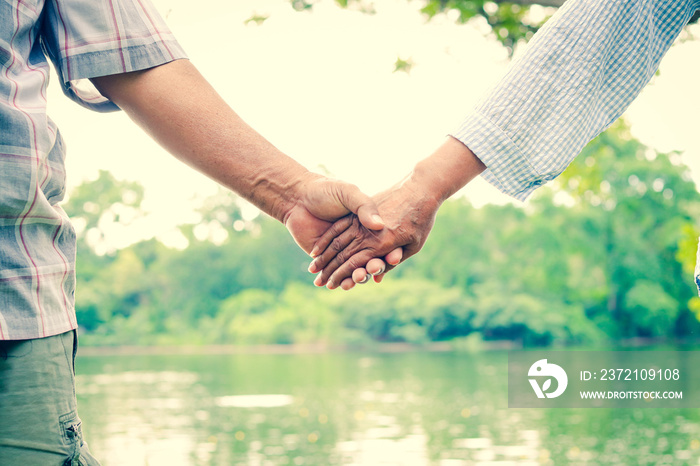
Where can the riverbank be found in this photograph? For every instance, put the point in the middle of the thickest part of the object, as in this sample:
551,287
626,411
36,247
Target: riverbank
294,349
462,345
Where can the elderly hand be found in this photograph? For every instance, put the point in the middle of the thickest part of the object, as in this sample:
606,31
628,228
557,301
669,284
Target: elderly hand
409,214
409,210
321,202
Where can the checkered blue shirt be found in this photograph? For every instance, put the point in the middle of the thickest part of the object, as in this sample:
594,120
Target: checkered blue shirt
84,39
578,75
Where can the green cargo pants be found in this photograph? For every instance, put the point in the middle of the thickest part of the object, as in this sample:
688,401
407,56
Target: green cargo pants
39,423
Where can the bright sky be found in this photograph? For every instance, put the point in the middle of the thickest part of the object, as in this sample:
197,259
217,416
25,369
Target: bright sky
320,86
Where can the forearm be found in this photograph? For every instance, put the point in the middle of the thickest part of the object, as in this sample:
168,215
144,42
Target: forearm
444,172
183,113
578,75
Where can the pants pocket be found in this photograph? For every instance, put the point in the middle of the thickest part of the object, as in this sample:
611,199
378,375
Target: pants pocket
72,435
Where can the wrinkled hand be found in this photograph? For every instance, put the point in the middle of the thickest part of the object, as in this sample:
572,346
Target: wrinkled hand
408,209
323,201
409,213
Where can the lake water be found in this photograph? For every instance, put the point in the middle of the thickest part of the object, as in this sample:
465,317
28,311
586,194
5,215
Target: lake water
414,408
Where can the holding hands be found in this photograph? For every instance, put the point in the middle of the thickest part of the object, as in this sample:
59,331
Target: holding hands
318,202
348,251
348,246
349,234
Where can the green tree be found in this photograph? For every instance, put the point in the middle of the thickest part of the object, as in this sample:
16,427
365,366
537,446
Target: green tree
97,205
643,204
510,21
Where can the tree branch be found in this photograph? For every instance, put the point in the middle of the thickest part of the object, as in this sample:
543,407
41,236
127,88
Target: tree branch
558,3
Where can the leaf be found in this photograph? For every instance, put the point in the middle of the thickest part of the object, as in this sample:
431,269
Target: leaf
256,19
432,8
403,65
546,385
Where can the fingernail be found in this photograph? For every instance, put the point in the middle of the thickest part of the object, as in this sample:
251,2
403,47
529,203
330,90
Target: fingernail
317,281
378,219
315,251
381,271
312,267
330,285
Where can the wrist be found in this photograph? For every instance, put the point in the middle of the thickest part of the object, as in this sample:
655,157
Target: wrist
446,171
421,191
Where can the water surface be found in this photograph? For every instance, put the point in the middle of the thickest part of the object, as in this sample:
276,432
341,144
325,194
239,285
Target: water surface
415,408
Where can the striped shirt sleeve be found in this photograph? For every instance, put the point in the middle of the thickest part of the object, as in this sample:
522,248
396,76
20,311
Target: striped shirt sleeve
90,38
578,75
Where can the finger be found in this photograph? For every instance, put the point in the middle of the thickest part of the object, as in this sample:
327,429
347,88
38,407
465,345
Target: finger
338,269
326,238
329,268
375,267
394,257
360,276
345,268
330,254
347,284
361,204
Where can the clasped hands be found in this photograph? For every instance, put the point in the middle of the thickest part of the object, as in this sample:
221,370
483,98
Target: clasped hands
348,251
382,231
351,235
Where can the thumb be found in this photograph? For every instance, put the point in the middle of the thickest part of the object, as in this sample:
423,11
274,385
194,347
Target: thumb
362,205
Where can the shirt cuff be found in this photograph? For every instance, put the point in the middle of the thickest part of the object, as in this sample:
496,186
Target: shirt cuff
77,69
508,169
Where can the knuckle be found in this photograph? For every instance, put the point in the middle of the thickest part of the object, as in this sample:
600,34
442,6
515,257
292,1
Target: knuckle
341,257
340,226
353,263
406,234
336,245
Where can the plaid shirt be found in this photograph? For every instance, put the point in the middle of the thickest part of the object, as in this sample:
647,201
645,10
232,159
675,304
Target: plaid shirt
578,75
84,39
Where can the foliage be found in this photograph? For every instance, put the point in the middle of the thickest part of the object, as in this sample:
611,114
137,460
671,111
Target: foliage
511,23
96,205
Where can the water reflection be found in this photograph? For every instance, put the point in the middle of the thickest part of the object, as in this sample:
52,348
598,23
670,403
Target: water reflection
388,409
253,401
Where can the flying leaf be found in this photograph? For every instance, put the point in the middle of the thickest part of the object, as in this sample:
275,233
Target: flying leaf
403,65
256,19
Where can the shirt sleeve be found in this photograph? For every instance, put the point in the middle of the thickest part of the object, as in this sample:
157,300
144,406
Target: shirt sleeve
90,38
578,75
